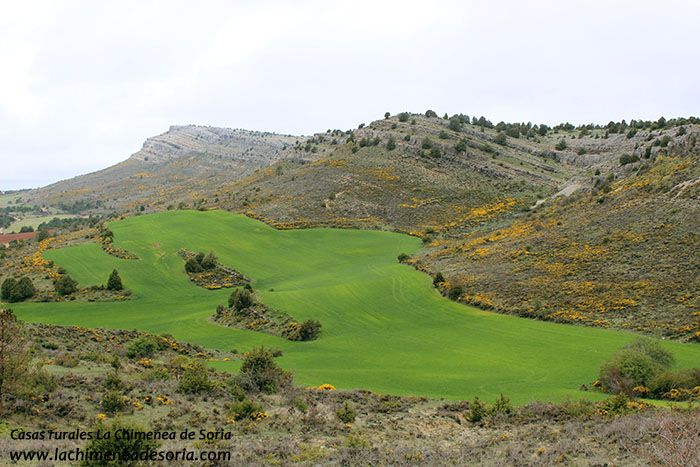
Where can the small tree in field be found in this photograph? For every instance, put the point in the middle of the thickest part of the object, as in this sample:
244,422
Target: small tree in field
114,282
14,356
65,285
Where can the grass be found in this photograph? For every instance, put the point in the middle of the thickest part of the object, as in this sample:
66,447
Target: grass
385,328
34,221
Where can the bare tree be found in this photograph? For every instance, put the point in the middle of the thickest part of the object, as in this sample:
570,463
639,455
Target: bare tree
14,355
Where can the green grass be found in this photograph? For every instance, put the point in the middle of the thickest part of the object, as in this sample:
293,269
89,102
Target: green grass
385,328
35,221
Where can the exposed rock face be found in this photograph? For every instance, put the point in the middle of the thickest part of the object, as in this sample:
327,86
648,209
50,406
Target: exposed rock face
233,144
178,165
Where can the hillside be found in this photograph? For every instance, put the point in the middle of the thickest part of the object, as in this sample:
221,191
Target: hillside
589,224
172,167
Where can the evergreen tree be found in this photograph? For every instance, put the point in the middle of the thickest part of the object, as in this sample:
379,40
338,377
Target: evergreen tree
114,282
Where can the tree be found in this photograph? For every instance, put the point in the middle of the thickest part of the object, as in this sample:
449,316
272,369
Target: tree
430,113
391,144
561,145
114,282
500,139
8,288
65,285
25,288
14,355
387,115
240,299
461,146
404,116
309,330
193,266
455,123
209,261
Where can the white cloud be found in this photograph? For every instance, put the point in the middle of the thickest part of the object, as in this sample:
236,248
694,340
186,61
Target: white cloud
84,83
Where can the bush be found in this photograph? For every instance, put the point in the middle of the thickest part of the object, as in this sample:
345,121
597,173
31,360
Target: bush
209,261
654,350
260,373
627,369
114,282
500,139
502,406
438,278
243,410
561,145
193,266
346,413
65,285
240,299
664,382
194,380
454,293
391,144
118,447
17,291
455,124
628,159
141,348
477,410
309,330
461,146
427,143
113,402
404,116
403,257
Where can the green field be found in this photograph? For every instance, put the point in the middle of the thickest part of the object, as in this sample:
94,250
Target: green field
34,221
385,328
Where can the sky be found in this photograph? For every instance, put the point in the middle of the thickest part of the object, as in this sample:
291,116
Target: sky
84,83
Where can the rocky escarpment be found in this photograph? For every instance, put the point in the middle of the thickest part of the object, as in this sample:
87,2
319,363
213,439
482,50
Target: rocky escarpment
171,168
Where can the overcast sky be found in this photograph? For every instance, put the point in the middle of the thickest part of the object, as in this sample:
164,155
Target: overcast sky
82,84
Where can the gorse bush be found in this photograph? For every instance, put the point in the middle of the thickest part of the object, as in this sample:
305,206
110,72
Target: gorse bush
113,402
194,380
201,262
244,410
260,373
141,347
346,413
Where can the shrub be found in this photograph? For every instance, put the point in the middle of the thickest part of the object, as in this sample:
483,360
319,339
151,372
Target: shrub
454,293
455,123
141,348
193,266
387,115
500,138
502,406
444,135
430,113
113,402
240,299
118,447
627,369
477,410
260,373
26,229
391,144
654,350
438,278
561,145
628,159
243,409
427,143
65,285
461,146
194,380
309,330
346,413
114,282
664,382
17,291
8,289
403,257
404,116
209,261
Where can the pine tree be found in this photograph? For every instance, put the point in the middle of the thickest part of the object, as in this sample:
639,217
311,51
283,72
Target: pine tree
114,282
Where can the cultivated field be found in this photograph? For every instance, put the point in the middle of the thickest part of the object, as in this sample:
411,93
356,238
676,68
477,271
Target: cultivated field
385,328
